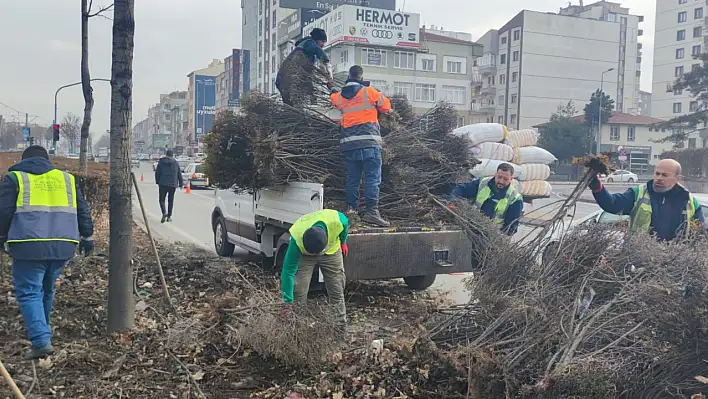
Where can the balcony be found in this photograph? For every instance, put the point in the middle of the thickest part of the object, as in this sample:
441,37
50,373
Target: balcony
487,108
476,77
488,91
489,68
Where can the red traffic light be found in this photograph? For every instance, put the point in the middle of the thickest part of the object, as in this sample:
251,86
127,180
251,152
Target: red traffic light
55,126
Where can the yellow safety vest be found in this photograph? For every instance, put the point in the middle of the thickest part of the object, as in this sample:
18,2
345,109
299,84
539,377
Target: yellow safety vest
46,208
484,193
330,218
640,218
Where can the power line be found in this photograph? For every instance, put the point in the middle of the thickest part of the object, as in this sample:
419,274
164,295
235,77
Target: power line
20,112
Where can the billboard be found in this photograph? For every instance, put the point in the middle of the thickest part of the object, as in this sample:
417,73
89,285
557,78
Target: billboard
161,141
354,24
329,4
290,27
204,104
246,69
235,97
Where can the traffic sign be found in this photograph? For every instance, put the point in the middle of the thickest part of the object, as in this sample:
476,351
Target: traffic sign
25,131
622,158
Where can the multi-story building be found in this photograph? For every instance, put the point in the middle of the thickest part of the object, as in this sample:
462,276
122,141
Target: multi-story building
232,82
681,33
201,100
538,61
179,124
141,134
644,103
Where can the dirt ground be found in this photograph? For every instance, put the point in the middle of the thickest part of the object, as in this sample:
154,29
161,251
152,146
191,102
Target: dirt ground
196,352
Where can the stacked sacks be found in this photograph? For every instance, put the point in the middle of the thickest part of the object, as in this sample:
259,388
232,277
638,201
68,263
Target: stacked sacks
532,163
487,144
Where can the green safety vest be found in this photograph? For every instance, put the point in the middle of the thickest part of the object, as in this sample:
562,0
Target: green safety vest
640,218
484,193
330,218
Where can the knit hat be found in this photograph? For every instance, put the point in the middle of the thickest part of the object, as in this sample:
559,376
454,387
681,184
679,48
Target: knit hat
314,240
318,34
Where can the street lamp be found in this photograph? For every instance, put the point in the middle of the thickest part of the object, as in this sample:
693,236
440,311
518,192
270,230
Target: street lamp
56,93
599,109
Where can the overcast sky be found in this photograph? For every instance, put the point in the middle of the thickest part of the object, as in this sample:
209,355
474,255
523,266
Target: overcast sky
41,39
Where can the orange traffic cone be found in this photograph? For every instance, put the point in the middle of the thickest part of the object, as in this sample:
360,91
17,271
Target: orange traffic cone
187,190
142,177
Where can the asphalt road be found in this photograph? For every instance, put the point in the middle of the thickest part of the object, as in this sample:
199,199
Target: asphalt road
192,213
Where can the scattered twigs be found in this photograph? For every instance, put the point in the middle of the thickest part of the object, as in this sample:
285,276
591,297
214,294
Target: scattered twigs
11,382
189,374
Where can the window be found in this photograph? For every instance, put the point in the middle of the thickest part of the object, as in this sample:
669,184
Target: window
403,60
273,41
677,108
513,119
698,31
611,17
501,100
695,66
693,106
379,85
428,64
500,119
260,69
502,79
260,28
502,59
698,13
614,133
454,67
460,121
680,35
373,57
682,1
514,98
273,65
260,49
692,143
403,88
682,16
517,34
344,57
454,94
679,53
515,56
678,71
514,77
425,93
696,50
274,19
260,6
631,132
677,91
503,40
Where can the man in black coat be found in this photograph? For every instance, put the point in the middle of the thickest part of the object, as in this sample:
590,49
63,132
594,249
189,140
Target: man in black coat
168,176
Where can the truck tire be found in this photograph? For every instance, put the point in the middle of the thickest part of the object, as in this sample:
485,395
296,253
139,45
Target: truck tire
221,240
419,283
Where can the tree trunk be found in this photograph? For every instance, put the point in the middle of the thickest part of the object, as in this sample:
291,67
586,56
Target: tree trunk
121,307
85,85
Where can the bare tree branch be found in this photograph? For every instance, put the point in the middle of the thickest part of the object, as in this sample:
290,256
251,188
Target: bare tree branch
100,11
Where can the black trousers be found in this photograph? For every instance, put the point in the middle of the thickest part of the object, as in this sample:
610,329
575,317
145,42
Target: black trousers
169,192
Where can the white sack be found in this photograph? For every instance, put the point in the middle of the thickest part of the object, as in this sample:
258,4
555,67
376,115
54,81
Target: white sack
482,132
496,151
534,171
524,155
488,167
522,138
534,188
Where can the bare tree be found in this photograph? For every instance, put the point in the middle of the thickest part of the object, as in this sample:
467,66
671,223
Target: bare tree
86,6
121,309
71,128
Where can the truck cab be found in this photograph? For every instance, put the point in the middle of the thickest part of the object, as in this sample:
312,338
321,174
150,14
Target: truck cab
259,222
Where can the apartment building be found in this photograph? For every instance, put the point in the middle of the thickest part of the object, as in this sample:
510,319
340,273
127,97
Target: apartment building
644,103
681,32
233,82
201,100
538,61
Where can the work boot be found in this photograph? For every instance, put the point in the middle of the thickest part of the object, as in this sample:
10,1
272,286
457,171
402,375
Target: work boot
169,218
37,353
164,217
373,216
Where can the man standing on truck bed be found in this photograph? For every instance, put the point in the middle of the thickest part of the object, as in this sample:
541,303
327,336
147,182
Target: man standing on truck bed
361,141
317,238
311,46
168,176
496,197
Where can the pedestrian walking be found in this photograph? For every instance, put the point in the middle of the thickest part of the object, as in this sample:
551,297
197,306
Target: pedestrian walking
168,176
43,218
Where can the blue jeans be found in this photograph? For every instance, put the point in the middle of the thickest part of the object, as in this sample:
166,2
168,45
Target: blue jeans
368,162
34,289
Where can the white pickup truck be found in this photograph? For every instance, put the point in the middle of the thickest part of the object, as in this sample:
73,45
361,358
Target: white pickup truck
259,223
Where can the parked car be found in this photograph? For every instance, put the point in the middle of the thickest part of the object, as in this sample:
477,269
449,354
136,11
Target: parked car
183,161
155,157
621,176
144,157
135,161
194,176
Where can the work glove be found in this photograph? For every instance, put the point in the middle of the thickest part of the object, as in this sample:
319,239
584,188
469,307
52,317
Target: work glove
345,249
595,183
86,245
287,311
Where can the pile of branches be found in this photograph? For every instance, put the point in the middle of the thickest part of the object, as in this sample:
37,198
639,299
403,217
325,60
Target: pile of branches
271,143
303,84
602,314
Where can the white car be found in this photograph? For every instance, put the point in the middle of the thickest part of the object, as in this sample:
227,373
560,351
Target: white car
621,176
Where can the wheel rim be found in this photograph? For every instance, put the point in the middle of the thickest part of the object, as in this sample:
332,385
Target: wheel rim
218,236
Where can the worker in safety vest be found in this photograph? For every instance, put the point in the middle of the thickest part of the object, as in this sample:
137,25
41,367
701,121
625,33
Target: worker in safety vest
661,206
43,218
360,142
317,239
496,197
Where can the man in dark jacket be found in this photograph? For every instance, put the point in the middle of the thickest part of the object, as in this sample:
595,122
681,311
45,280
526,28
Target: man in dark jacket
168,176
361,141
661,206
496,197
311,46
43,217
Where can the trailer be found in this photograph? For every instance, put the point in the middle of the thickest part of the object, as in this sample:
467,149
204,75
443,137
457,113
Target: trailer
259,223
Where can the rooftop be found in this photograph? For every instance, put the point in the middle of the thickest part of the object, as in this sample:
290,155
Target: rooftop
431,37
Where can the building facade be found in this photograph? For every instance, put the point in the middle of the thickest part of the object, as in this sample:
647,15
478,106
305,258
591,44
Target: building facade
232,82
681,33
201,100
538,61
644,103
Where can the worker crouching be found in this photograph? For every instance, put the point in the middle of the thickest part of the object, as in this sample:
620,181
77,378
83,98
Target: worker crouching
317,239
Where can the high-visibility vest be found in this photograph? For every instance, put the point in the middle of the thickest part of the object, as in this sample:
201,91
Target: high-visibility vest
640,218
46,208
484,193
360,118
330,218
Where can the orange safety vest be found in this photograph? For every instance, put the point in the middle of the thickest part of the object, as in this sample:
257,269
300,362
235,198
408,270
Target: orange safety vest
360,121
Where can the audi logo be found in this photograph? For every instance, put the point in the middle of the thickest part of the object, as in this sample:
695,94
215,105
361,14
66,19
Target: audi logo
382,34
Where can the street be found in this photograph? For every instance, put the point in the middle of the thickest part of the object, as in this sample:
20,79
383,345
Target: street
192,214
